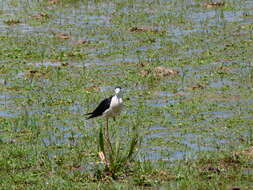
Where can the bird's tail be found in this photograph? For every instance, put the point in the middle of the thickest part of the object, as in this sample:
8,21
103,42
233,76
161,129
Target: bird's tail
90,115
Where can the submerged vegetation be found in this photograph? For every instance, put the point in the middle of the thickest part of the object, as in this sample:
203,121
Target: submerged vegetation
187,70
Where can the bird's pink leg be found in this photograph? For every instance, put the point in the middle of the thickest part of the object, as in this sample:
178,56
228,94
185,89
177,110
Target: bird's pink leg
108,136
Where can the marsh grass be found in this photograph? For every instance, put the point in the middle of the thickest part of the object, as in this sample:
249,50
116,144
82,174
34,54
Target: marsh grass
117,157
195,127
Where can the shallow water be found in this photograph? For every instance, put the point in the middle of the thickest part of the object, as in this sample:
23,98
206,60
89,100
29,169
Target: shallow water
100,24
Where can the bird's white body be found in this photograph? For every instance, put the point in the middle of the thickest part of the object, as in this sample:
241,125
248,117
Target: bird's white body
109,107
116,106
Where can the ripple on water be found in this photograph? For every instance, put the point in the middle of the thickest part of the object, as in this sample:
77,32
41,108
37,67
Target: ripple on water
62,137
46,64
8,113
161,99
192,142
7,108
221,83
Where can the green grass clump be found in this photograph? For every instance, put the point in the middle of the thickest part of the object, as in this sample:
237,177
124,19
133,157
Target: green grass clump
118,157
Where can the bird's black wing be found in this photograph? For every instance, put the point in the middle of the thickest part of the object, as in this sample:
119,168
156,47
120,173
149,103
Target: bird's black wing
104,105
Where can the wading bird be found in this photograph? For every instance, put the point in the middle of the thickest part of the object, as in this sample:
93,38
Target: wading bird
109,107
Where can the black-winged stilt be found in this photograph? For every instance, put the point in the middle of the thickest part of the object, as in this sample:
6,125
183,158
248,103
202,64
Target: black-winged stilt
109,107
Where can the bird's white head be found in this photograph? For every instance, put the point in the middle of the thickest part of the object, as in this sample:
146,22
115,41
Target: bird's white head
117,90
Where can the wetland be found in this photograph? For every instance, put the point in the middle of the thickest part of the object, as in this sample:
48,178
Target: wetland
186,69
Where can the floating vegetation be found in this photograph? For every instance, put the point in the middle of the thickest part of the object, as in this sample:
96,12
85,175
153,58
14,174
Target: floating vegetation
63,36
159,71
41,16
12,21
214,5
